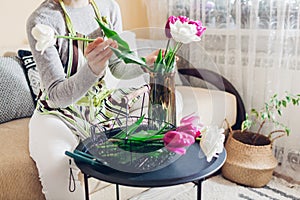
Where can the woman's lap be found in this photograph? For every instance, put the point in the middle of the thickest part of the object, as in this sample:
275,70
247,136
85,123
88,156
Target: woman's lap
49,138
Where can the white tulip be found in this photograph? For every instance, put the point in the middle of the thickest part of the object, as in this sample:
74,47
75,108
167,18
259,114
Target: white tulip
212,142
44,36
184,32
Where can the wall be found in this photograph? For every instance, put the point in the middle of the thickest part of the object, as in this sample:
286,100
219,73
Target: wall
13,19
134,14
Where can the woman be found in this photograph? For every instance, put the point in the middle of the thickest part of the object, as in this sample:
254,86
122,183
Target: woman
73,94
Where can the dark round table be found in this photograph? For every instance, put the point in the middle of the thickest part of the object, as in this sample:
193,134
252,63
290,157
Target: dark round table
191,167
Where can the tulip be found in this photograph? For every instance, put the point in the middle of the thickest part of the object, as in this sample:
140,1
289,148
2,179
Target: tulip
190,119
212,142
199,27
189,129
177,141
184,32
183,19
184,135
191,125
171,20
45,37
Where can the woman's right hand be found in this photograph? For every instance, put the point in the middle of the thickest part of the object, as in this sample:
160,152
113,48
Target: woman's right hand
98,53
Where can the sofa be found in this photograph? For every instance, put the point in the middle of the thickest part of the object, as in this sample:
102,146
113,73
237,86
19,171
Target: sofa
18,173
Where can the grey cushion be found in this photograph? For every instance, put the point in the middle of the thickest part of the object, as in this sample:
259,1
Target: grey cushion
15,97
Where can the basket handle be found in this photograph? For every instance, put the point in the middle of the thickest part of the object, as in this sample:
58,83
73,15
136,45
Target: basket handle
229,127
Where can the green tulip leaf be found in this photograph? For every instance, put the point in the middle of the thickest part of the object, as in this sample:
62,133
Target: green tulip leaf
130,129
122,45
129,57
159,62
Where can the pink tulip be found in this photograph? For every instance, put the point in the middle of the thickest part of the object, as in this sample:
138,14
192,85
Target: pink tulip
176,139
189,119
183,19
189,129
199,27
172,20
184,135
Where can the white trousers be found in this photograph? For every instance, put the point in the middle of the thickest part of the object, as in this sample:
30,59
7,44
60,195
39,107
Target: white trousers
49,138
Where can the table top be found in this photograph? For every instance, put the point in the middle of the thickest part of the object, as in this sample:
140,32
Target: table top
190,167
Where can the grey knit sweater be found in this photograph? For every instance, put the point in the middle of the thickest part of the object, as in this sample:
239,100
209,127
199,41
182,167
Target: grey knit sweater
63,91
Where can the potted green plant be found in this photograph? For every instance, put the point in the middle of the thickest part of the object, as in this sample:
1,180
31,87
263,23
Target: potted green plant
250,160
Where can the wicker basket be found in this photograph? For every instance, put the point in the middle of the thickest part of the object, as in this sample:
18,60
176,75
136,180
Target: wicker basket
248,164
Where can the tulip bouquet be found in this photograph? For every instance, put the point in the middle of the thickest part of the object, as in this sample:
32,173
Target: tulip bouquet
181,29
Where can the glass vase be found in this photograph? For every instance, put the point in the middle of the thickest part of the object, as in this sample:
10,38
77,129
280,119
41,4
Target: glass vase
162,99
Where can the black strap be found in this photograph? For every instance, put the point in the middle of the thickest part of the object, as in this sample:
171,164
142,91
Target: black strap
71,179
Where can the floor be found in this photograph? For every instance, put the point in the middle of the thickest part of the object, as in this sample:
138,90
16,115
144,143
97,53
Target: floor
215,188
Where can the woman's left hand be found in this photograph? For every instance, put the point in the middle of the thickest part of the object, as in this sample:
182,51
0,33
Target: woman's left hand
150,59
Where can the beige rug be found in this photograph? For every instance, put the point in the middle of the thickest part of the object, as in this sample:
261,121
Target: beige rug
218,188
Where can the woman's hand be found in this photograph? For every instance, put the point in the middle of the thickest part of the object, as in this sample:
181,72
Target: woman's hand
150,59
98,53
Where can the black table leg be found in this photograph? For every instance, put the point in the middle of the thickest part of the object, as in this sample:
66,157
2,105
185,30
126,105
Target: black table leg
199,188
86,187
117,191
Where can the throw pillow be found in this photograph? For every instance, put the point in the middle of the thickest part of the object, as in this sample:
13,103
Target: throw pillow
31,72
15,97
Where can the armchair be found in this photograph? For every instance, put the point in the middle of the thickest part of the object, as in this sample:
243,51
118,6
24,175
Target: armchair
222,84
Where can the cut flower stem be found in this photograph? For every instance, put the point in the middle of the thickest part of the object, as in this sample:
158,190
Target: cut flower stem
75,38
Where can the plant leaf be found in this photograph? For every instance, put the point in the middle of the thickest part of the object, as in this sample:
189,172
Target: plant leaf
130,129
284,103
128,57
246,124
287,130
158,64
170,59
254,112
279,112
294,101
122,45
150,134
264,115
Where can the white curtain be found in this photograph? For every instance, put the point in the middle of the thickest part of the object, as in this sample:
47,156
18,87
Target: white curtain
256,45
